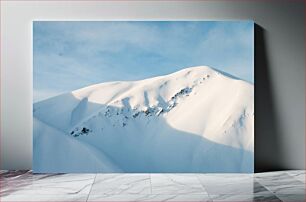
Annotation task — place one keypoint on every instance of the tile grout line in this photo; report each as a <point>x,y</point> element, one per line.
<point>91,187</point>
<point>268,189</point>
<point>210,198</point>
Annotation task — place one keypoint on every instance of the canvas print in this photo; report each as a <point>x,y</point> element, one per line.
<point>143,96</point>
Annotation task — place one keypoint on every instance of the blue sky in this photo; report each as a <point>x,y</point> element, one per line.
<point>72,55</point>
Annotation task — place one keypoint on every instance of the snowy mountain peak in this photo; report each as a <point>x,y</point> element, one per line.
<point>144,92</point>
<point>200,71</point>
<point>196,71</point>
<point>196,102</point>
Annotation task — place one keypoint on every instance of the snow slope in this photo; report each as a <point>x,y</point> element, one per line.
<point>56,152</point>
<point>194,120</point>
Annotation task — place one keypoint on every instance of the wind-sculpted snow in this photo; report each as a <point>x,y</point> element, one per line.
<point>194,120</point>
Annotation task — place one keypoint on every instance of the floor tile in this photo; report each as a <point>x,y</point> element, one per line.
<point>183,198</point>
<point>272,186</point>
<point>42,198</point>
<point>13,181</point>
<point>121,184</point>
<point>298,175</point>
<point>219,184</point>
<point>283,185</point>
<point>286,189</point>
<point>281,182</point>
<point>291,197</point>
<point>150,197</point>
<point>12,173</point>
<point>245,198</point>
<point>47,184</point>
<point>175,184</point>
<point>275,175</point>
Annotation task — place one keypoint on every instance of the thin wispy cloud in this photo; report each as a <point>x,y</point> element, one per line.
<point>71,55</point>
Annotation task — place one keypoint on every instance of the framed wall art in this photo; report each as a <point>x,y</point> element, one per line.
<point>143,96</point>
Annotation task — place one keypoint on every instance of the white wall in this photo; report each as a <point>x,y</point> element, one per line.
<point>279,74</point>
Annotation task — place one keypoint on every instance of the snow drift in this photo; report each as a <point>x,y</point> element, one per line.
<point>194,120</point>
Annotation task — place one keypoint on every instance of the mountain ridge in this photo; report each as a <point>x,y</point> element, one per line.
<point>197,100</point>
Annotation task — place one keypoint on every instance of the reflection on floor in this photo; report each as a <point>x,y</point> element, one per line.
<point>272,186</point>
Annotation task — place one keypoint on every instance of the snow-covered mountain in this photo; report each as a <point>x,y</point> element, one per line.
<point>194,120</point>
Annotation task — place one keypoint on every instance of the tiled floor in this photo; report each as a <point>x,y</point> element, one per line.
<point>272,186</point>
